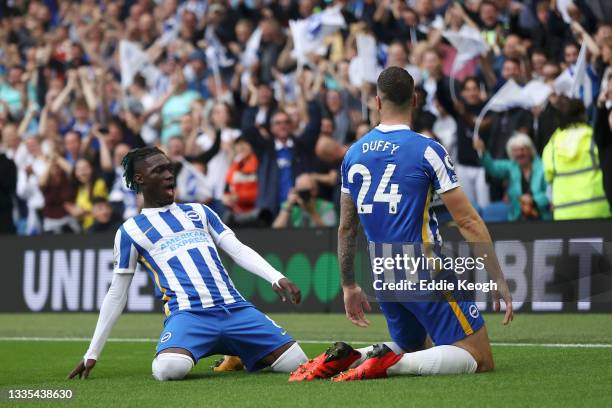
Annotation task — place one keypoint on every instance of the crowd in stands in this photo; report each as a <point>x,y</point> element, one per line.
<point>257,126</point>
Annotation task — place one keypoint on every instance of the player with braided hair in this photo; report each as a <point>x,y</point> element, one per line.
<point>205,314</point>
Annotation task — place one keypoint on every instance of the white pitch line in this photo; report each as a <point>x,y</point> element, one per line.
<point>151,340</point>
<point>67,339</point>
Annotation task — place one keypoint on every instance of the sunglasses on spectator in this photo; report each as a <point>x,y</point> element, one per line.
<point>281,122</point>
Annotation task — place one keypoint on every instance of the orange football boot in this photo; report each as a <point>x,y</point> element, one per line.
<point>336,359</point>
<point>375,366</point>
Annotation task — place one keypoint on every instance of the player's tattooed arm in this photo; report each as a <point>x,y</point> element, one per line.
<point>355,301</point>
<point>347,239</point>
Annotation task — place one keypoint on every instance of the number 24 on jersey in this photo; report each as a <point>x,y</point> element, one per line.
<point>393,197</point>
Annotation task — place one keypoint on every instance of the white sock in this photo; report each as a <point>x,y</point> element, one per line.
<point>171,366</point>
<point>436,360</point>
<point>290,359</point>
<point>364,351</point>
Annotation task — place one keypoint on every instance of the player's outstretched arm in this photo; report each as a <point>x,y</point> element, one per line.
<point>111,309</point>
<point>355,302</point>
<point>250,260</point>
<point>475,232</point>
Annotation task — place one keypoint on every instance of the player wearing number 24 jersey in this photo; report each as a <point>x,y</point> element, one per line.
<point>391,174</point>
<point>388,180</point>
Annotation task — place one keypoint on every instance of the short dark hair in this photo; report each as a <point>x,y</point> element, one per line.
<point>487,3</point>
<point>572,112</point>
<point>242,139</point>
<point>515,61</point>
<point>132,158</point>
<point>140,81</point>
<point>604,24</point>
<point>571,44</point>
<point>99,200</point>
<point>469,79</point>
<point>396,86</point>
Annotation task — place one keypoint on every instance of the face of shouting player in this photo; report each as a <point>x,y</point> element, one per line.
<point>155,176</point>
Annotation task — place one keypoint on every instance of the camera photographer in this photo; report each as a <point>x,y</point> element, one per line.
<point>303,208</point>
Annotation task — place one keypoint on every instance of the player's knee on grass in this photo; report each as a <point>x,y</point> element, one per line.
<point>290,359</point>
<point>479,347</point>
<point>485,364</point>
<point>171,366</point>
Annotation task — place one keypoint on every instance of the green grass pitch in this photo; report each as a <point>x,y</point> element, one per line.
<point>531,368</point>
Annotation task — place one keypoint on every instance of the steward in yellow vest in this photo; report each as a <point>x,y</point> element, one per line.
<point>571,166</point>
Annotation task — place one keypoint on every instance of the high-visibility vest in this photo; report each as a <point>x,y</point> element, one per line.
<point>571,165</point>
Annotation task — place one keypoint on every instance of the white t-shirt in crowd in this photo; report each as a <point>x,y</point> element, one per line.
<point>219,164</point>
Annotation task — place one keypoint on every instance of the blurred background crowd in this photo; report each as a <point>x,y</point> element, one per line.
<point>256,101</point>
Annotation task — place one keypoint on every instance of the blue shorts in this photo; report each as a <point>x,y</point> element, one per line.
<point>240,331</point>
<point>445,321</point>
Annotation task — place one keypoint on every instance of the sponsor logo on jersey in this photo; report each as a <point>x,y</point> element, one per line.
<point>165,337</point>
<point>184,239</point>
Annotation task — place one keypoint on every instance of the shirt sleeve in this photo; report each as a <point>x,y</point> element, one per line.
<point>249,259</point>
<point>112,306</point>
<point>125,255</point>
<point>440,168</point>
<point>216,228</point>
<point>343,177</point>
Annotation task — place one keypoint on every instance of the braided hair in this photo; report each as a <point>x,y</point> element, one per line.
<point>130,160</point>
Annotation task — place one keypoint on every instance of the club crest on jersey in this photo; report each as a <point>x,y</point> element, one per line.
<point>473,311</point>
<point>166,336</point>
<point>449,163</point>
<point>193,215</point>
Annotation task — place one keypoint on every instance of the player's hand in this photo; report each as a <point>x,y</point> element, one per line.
<point>285,289</point>
<point>355,303</point>
<point>82,369</point>
<point>503,293</point>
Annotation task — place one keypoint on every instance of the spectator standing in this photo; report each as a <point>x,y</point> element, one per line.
<point>241,188</point>
<point>469,170</point>
<point>602,131</point>
<point>572,168</point>
<point>283,156</point>
<point>88,187</point>
<point>177,105</point>
<point>221,117</point>
<point>57,189</point>
<point>8,185</point>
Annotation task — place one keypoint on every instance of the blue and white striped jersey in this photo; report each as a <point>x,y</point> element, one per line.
<point>176,245</point>
<point>391,174</point>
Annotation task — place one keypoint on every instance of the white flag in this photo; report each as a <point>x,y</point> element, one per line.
<point>574,82</point>
<point>508,96</point>
<point>191,184</point>
<point>582,82</point>
<point>308,34</point>
<point>535,93</point>
<point>132,60</point>
<point>562,6</point>
<point>249,56</point>
<point>469,44</point>
<point>512,95</point>
<point>364,67</point>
